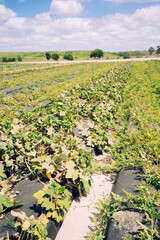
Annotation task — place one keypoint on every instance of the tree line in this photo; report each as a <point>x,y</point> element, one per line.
<point>13,59</point>
<point>97,53</point>
<point>137,54</point>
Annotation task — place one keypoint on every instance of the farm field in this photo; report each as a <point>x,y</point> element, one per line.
<point>25,87</point>
<point>57,120</point>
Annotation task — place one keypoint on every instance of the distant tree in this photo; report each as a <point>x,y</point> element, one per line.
<point>13,59</point>
<point>126,55</point>
<point>19,58</point>
<point>4,59</point>
<point>93,54</point>
<point>138,54</point>
<point>48,55</point>
<point>68,56</point>
<point>158,49</point>
<point>151,50</point>
<point>97,53</point>
<point>55,56</point>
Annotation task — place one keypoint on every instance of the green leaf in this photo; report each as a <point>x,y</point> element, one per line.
<point>2,174</point>
<point>67,203</point>
<point>5,202</point>
<point>46,203</point>
<point>1,207</point>
<point>49,214</point>
<point>62,189</point>
<point>86,186</point>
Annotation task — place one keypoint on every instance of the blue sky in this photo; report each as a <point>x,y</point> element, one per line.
<point>94,8</point>
<point>112,25</point>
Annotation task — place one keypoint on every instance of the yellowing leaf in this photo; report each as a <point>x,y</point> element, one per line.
<point>115,136</point>
<point>48,174</point>
<point>75,175</point>
<point>38,194</point>
<point>70,169</point>
<point>37,234</point>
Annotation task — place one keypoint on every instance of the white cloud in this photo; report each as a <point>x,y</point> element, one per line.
<point>66,8</point>
<point>16,23</point>
<point>5,13</point>
<point>116,32</point>
<point>46,17</point>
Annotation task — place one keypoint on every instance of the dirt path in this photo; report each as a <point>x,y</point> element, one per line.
<point>91,61</point>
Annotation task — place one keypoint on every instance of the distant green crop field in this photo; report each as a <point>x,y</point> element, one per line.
<point>40,56</point>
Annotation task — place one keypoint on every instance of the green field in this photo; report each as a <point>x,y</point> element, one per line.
<point>114,107</point>
<point>40,56</point>
<point>77,55</point>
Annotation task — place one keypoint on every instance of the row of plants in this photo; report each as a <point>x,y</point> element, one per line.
<point>44,144</point>
<point>137,126</point>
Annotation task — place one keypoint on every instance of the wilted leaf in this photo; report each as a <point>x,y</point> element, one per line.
<point>65,151</point>
<point>20,215</point>
<point>15,129</point>
<point>50,131</point>
<point>90,124</point>
<point>69,185</point>
<point>42,219</point>
<point>25,225</point>
<point>62,113</point>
